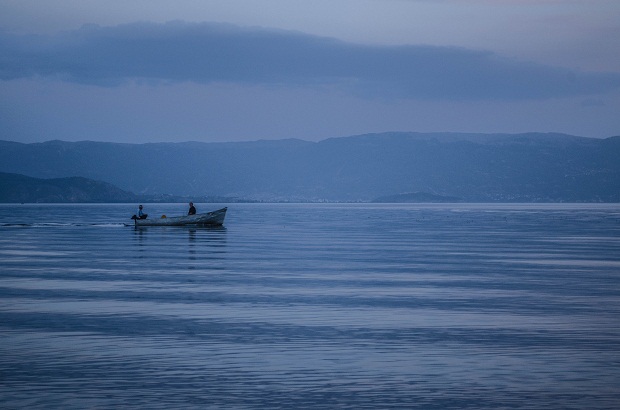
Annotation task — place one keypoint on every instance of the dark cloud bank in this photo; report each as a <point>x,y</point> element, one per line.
<point>208,52</point>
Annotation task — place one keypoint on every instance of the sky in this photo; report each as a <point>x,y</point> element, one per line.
<point>242,70</point>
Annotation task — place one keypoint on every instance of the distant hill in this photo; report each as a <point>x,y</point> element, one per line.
<point>530,167</point>
<point>414,197</point>
<point>16,188</point>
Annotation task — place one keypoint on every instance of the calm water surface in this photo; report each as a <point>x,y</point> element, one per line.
<point>311,306</point>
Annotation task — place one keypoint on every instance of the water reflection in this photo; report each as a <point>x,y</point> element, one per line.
<point>192,245</point>
<point>315,306</point>
<point>196,244</point>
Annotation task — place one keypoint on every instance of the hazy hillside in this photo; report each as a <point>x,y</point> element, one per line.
<point>472,167</point>
<point>19,188</point>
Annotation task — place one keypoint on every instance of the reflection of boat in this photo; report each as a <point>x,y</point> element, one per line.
<point>215,218</point>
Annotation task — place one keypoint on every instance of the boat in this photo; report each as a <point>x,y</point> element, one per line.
<point>215,218</point>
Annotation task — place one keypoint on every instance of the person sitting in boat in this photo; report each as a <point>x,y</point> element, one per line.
<point>192,210</point>
<point>141,214</point>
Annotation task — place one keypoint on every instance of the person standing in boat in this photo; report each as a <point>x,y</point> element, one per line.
<point>192,210</point>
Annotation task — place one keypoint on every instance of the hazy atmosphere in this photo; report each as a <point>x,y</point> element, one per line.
<point>149,71</point>
<point>326,204</point>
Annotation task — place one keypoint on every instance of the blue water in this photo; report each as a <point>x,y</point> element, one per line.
<point>311,306</point>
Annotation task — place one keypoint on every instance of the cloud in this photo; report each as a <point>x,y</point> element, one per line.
<point>222,53</point>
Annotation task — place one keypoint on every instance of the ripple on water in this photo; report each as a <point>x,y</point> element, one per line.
<point>314,306</point>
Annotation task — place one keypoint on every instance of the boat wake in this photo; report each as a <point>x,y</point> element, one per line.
<point>60,225</point>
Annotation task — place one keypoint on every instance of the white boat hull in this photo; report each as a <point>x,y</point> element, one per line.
<point>215,218</point>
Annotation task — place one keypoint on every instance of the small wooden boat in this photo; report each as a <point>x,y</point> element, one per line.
<point>215,218</point>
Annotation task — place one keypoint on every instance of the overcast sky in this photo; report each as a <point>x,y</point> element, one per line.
<point>233,70</point>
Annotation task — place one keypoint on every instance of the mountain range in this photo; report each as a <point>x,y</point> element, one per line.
<point>531,167</point>
<point>16,188</point>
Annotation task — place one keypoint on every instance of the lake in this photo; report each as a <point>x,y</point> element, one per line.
<point>311,306</point>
